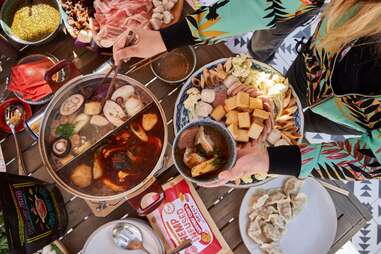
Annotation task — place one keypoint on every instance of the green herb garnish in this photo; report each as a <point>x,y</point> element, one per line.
<point>201,151</point>
<point>65,130</point>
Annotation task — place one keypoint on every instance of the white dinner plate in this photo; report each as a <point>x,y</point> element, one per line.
<point>312,231</point>
<point>101,242</point>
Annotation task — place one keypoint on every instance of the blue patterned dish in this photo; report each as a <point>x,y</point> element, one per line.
<point>181,118</point>
<point>216,126</point>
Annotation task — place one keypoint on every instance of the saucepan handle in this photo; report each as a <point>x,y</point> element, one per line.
<point>71,71</point>
<point>154,190</point>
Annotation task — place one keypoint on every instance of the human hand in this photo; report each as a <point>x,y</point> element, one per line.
<point>141,43</point>
<point>269,123</point>
<point>252,158</point>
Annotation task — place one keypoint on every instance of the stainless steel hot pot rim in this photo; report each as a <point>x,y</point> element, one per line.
<point>69,88</point>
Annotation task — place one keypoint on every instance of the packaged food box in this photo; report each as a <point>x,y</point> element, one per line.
<point>183,216</point>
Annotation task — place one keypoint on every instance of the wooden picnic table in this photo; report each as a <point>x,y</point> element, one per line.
<point>223,203</point>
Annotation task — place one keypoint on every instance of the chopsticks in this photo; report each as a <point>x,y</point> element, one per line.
<point>116,68</point>
<point>113,80</point>
<point>143,63</point>
<point>334,188</point>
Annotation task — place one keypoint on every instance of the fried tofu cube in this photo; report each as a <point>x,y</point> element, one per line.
<point>238,134</point>
<point>233,129</point>
<point>230,104</point>
<point>274,136</point>
<point>244,120</point>
<point>261,114</point>
<point>243,135</point>
<point>255,130</point>
<point>243,100</point>
<point>281,142</point>
<point>218,113</point>
<point>255,103</point>
<point>258,121</point>
<point>232,117</point>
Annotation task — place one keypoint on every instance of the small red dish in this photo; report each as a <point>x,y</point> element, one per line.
<point>3,106</point>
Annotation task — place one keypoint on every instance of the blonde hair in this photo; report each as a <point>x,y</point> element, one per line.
<point>364,22</point>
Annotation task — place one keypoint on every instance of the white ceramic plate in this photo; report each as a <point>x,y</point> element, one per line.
<point>312,231</point>
<point>101,242</point>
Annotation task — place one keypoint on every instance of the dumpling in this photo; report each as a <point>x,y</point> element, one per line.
<point>272,232</point>
<point>298,201</point>
<point>259,199</point>
<point>266,212</point>
<point>285,210</point>
<point>254,226</point>
<point>255,232</point>
<point>253,215</point>
<point>269,245</point>
<point>272,250</point>
<point>278,221</point>
<point>292,186</point>
<point>271,211</point>
<point>275,196</point>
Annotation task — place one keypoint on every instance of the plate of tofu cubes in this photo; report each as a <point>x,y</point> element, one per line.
<point>252,99</point>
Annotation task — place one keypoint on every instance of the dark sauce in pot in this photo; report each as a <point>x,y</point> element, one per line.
<point>123,153</point>
<point>175,65</point>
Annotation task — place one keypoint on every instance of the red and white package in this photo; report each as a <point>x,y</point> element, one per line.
<point>183,216</point>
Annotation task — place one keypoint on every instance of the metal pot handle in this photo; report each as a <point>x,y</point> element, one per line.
<point>153,187</point>
<point>72,71</point>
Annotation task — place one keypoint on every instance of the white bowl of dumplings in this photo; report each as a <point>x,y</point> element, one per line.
<point>288,215</point>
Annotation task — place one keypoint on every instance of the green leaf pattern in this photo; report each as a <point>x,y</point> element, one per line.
<point>226,18</point>
<point>357,158</point>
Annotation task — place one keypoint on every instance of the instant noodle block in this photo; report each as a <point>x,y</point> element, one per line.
<point>183,216</point>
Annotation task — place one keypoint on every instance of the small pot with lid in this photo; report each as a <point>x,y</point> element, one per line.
<point>105,150</point>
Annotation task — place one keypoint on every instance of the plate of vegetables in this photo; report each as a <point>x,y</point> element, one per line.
<point>252,99</point>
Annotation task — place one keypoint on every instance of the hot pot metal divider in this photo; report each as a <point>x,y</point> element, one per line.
<point>104,208</point>
<point>105,137</point>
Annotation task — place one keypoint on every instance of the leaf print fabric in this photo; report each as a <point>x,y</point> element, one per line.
<point>226,18</point>
<point>352,159</point>
<point>357,158</point>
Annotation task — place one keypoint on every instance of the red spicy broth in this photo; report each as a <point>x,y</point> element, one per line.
<point>122,152</point>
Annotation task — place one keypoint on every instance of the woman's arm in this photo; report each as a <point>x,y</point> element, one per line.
<point>227,18</point>
<point>211,24</point>
<point>352,159</point>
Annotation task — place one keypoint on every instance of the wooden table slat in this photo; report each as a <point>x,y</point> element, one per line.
<point>223,203</point>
